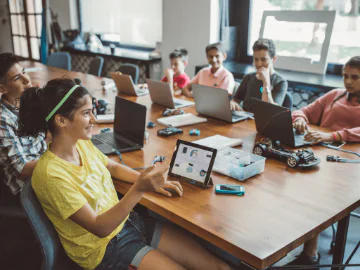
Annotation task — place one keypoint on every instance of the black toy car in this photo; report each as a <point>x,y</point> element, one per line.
<point>300,158</point>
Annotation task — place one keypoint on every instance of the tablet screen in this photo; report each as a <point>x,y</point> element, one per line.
<point>193,162</point>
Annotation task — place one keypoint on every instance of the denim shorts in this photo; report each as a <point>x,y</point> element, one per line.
<point>126,250</point>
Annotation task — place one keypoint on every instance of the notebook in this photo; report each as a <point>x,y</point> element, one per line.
<point>181,120</point>
<point>219,142</point>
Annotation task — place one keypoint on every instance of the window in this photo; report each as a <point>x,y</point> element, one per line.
<point>25,17</point>
<point>345,38</point>
<point>135,22</point>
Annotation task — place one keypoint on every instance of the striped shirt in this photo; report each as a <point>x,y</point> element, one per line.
<point>15,152</point>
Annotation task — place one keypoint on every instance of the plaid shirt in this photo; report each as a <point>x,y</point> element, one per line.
<point>15,152</point>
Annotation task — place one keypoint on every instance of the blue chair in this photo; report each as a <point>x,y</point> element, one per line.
<point>60,60</point>
<point>54,256</point>
<point>96,66</point>
<point>132,70</point>
<point>288,101</point>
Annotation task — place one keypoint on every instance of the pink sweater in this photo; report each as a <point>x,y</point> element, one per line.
<point>343,116</point>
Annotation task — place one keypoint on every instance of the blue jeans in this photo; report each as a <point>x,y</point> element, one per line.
<point>126,250</point>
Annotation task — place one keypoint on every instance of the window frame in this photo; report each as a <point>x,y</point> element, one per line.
<point>240,17</point>
<point>28,37</point>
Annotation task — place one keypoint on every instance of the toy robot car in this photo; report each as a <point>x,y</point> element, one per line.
<point>300,158</point>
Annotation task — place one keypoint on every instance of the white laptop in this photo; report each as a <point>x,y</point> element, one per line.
<point>215,102</point>
<point>124,84</point>
<point>160,93</point>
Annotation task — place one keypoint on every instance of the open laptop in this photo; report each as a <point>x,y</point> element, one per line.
<point>124,84</point>
<point>275,122</point>
<point>129,129</point>
<point>160,93</point>
<point>214,102</point>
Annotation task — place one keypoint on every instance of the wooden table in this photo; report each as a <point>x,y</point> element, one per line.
<point>282,207</point>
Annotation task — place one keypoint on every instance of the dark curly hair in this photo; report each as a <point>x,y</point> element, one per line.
<point>7,60</point>
<point>37,103</point>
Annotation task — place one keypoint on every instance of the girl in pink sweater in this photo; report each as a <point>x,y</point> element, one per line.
<point>338,110</point>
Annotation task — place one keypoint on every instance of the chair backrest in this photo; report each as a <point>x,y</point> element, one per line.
<point>54,256</point>
<point>288,101</point>
<point>132,70</point>
<point>96,66</point>
<point>60,60</point>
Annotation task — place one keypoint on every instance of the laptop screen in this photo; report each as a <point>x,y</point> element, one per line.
<point>130,120</point>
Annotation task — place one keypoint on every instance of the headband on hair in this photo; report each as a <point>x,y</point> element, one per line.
<point>61,102</point>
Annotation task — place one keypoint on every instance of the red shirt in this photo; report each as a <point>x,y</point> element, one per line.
<point>180,81</point>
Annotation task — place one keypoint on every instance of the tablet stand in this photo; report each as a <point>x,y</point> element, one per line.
<point>202,185</point>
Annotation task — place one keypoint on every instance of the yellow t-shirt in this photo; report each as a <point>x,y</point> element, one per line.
<point>63,188</point>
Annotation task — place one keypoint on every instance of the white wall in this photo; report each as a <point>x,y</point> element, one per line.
<point>67,13</point>
<point>192,25</point>
<point>5,30</point>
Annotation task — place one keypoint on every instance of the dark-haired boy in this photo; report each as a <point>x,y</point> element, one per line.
<point>176,76</point>
<point>265,83</point>
<point>215,75</point>
<point>18,156</point>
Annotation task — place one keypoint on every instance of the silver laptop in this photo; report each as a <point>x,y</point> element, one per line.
<point>160,93</point>
<point>215,102</point>
<point>124,84</point>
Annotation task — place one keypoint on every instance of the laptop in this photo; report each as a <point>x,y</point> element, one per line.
<point>129,129</point>
<point>125,84</point>
<point>214,102</point>
<point>160,93</point>
<point>275,122</point>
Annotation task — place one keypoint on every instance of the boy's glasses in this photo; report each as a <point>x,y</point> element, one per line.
<point>169,112</point>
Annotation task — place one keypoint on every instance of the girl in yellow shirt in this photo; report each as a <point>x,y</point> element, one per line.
<point>72,181</point>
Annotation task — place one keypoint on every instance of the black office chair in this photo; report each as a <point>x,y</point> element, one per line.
<point>288,101</point>
<point>60,60</point>
<point>54,256</point>
<point>96,66</point>
<point>333,227</point>
<point>9,204</point>
<point>130,69</point>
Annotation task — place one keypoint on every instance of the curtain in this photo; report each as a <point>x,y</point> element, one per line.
<point>224,20</point>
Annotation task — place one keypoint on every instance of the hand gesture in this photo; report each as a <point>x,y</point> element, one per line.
<point>316,137</point>
<point>234,106</point>
<point>263,74</point>
<point>151,179</point>
<point>300,125</point>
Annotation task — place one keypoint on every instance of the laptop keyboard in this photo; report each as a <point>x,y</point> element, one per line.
<point>110,139</point>
<point>299,140</point>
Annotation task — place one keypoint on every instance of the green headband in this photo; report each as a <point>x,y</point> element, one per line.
<point>61,102</point>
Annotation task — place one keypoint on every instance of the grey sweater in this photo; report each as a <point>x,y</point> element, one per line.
<point>250,87</point>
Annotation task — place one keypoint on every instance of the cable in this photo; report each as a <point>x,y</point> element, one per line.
<point>156,159</point>
<point>340,159</point>
<point>341,150</point>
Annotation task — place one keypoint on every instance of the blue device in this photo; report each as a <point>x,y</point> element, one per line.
<point>194,132</point>
<point>151,125</point>
<point>230,189</point>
